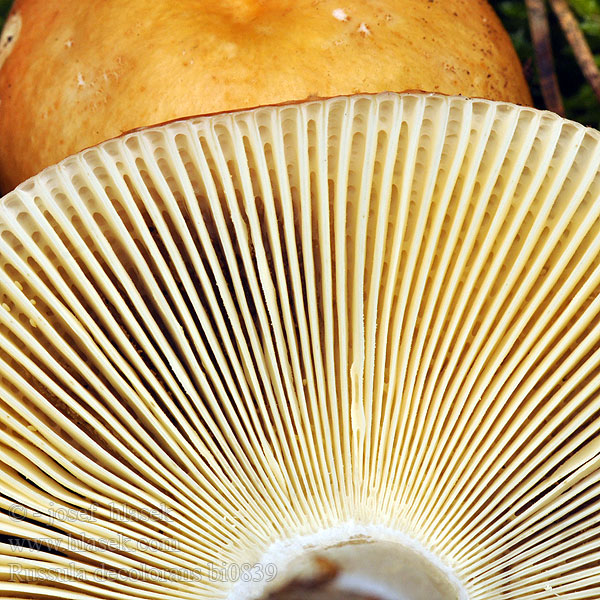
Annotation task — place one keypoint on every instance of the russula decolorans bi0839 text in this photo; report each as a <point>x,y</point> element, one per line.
<point>75,73</point>
<point>362,330</point>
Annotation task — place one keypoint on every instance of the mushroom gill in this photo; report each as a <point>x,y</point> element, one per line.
<point>363,329</point>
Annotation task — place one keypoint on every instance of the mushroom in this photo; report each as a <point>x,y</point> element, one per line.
<point>77,73</point>
<point>351,343</point>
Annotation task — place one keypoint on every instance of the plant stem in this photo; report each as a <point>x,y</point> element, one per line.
<point>577,40</point>
<point>540,34</point>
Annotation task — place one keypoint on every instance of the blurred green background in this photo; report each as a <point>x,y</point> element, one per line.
<point>4,8</point>
<point>580,102</point>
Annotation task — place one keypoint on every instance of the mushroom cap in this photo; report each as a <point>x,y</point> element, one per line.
<point>374,315</point>
<point>78,73</point>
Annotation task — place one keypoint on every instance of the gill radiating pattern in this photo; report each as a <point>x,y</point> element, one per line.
<point>236,329</point>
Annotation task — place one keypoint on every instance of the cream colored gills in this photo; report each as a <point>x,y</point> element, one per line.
<point>247,338</point>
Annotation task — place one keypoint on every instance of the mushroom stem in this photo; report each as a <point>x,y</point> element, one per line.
<point>353,563</point>
<point>318,586</point>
